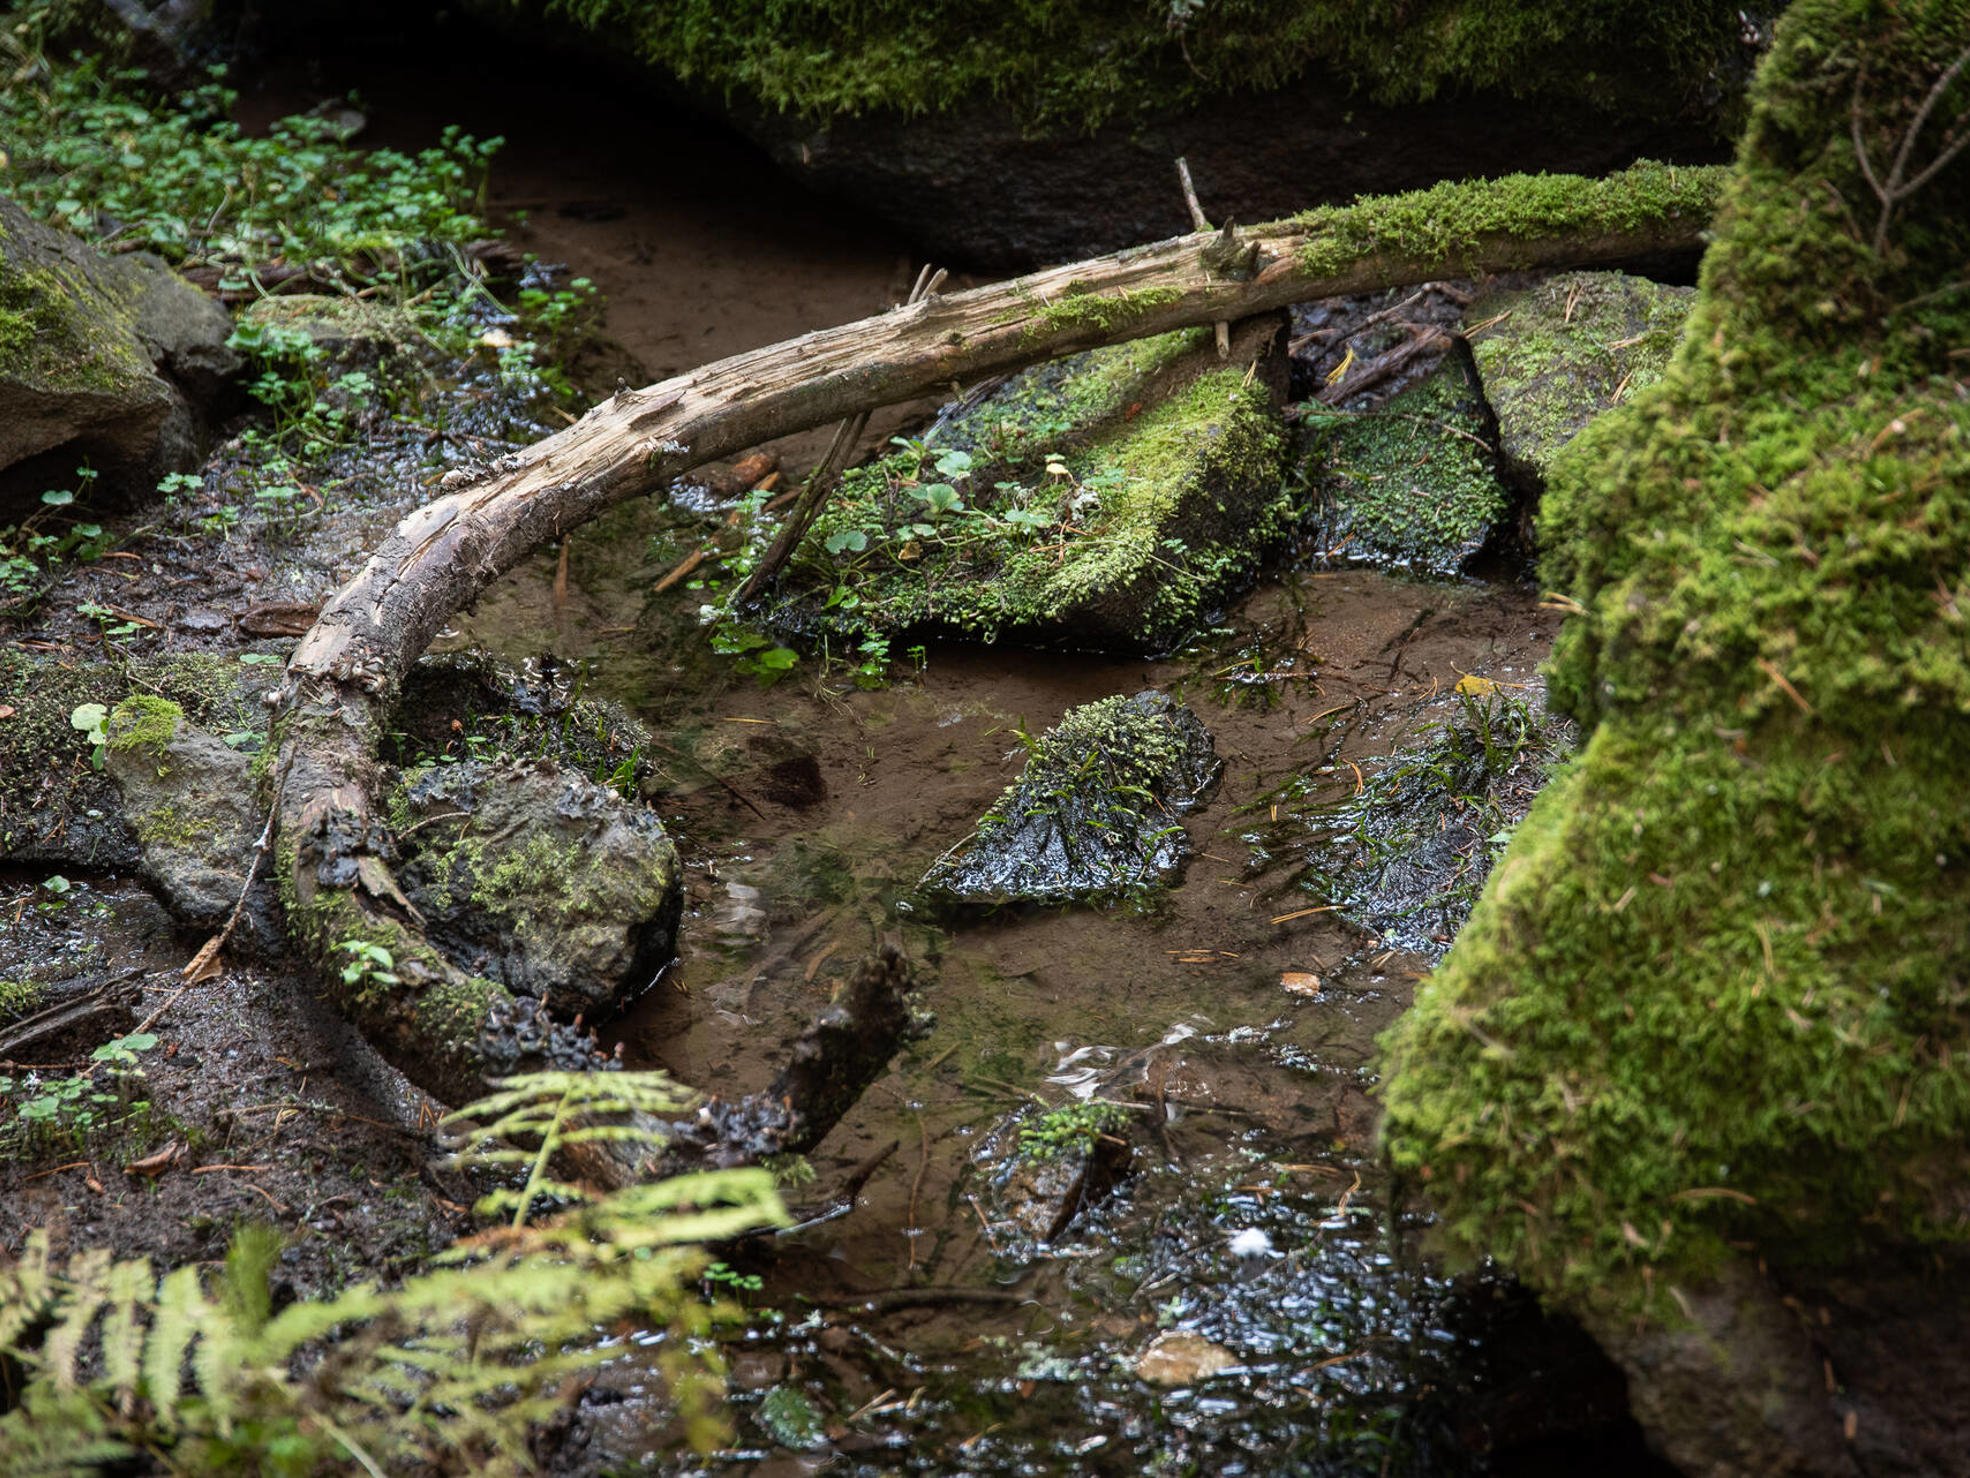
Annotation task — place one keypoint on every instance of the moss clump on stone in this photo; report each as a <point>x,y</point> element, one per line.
<point>1082,64</point>
<point>1713,1001</point>
<point>1107,500</point>
<point>1555,355</point>
<point>143,723</point>
<point>1414,484</point>
<point>1452,225</point>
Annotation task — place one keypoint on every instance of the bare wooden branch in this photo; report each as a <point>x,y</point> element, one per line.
<point>1200,224</point>
<point>450,1032</point>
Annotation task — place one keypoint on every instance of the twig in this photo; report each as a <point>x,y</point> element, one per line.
<point>916,1186</point>
<point>1897,187</point>
<point>1198,223</point>
<point>821,481</point>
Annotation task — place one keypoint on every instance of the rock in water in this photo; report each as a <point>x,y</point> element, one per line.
<point>1414,484</point>
<point>1106,500</point>
<point>1557,354</point>
<point>1094,813</point>
<point>540,878</point>
<point>101,359</point>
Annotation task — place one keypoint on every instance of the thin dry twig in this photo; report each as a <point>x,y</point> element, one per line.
<point>1898,185</point>
<point>1201,225</point>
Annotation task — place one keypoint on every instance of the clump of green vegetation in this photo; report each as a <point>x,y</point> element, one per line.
<point>1062,1133</point>
<point>1094,812</point>
<point>99,1108</point>
<point>454,1370</point>
<point>1712,1002</point>
<point>1413,484</point>
<point>1086,63</point>
<point>1058,508</point>
<point>1458,222</point>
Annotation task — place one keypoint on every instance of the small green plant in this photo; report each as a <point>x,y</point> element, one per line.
<point>88,719</point>
<point>367,964</point>
<point>70,1112</point>
<point>1071,1129</point>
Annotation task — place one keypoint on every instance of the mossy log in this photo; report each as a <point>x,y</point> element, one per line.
<point>450,1032</point>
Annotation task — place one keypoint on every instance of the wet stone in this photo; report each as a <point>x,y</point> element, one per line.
<point>540,878</point>
<point>1414,485</point>
<point>1095,812</point>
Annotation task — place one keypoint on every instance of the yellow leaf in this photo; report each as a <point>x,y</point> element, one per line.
<point>1471,685</point>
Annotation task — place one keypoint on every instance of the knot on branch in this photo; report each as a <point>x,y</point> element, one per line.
<point>1228,258</point>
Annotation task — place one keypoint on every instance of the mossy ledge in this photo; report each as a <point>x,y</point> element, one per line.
<point>1712,1004</point>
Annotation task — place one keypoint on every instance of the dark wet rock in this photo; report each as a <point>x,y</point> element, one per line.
<point>540,878</point>
<point>1108,500</point>
<point>1094,813</point>
<point>1556,354</point>
<point>1413,485</point>
<point>191,800</point>
<point>1406,850</point>
<point>102,360</point>
<point>1075,193</point>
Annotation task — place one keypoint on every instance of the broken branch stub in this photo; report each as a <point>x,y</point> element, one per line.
<point>450,1032</point>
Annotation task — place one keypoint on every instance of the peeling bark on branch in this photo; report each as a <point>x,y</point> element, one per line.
<point>449,1032</point>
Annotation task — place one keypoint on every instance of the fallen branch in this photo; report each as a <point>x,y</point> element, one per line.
<point>451,1033</point>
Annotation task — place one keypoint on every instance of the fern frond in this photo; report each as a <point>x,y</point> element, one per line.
<point>181,1308</point>
<point>86,1292</point>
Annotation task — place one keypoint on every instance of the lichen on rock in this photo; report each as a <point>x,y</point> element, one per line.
<point>1094,814</point>
<point>540,878</point>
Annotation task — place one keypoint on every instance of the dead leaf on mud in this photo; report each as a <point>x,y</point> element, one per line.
<point>154,1165</point>
<point>1300,982</point>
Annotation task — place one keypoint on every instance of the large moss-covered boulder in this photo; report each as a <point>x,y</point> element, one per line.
<point>541,879</point>
<point>1095,812</point>
<point>1415,484</point>
<point>1109,500</point>
<point>1700,1050</point>
<point>1557,354</point>
<point>101,359</point>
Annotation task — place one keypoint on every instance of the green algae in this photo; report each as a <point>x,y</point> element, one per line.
<point>1714,999</point>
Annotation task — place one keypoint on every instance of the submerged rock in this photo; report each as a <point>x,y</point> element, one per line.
<point>1414,484</point>
<point>101,359</point>
<point>1094,813</point>
<point>540,878</point>
<point>1555,355</point>
<point>1105,500</point>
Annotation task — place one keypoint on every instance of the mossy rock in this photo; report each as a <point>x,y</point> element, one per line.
<point>1415,484</point>
<point>1705,1028</point>
<point>56,806</point>
<point>541,879</point>
<point>101,359</point>
<point>1555,355</point>
<point>1110,500</point>
<point>1095,812</point>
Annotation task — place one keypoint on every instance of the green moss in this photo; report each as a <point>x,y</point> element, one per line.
<point>1454,224</point>
<point>1715,998</point>
<point>1087,516</point>
<point>1100,310</point>
<point>1081,64</point>
<point>1559,353</point>
<point>143,722</point>
<point>18,997</point>
<point>172,827</point>
<point>1414,484</point>
<point>61,331</point>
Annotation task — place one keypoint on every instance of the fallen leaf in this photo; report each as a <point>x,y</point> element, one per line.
<point>154,1165</point>
<point>1300,982</point>
<point>1179,1358</point>
<point>1474,686</point>
<point>205,964</point>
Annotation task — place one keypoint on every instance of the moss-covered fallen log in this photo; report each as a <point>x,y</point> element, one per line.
<point>334,853</point>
